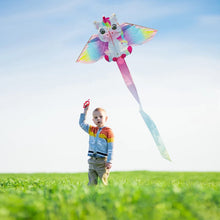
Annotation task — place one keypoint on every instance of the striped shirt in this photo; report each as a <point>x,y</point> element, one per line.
<point>101,140</point>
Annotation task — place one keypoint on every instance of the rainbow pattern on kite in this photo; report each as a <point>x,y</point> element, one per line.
<point>114,42</point>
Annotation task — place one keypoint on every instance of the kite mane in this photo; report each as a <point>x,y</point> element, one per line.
<point>106,21</point>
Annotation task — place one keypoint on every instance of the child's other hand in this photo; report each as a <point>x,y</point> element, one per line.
<point>108,165</point>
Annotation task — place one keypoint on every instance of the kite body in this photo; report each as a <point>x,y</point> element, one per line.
<point>110,31</point>
<point>114,42</point>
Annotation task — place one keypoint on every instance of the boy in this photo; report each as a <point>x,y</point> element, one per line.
<point>101,141</point>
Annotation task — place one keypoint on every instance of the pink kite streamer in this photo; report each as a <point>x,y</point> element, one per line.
<point>127,78</point>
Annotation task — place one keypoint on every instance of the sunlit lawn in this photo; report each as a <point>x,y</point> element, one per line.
<point>130,195</point>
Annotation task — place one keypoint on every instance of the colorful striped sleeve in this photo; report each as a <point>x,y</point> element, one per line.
<point>107,134</point>
<point>110,140</point>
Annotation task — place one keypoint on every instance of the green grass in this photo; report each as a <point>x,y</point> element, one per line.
<point>130,195</point>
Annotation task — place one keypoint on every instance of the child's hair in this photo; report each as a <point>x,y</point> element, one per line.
<point>100,110</point>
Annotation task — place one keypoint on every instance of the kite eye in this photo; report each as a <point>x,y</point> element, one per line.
<point>102,30</point>
<point>114,26</point>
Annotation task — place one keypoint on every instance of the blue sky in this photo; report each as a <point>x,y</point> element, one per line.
<point>42,88</point>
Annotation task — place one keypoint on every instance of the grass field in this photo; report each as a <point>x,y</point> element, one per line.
<point>130,195</point>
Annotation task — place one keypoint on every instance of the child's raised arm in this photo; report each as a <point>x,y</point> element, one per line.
<point>82,119</point>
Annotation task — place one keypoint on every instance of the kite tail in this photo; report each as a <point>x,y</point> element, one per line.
<point>156,135</point>
<point>148,121</point>
<point>127,78</point>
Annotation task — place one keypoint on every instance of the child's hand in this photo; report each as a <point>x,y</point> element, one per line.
<point>108,165</point>
<point>85,110</point>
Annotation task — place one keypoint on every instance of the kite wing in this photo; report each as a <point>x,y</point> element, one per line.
<point>93,51</point>
<point>136,34</point>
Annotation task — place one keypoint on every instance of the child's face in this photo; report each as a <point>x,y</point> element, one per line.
<point>99,118</point>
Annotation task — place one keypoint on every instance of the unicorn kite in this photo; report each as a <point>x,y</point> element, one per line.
<point>114,42</point>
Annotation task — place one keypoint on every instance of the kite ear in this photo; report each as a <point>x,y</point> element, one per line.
<point>97,24</point>
<point>113,16</point>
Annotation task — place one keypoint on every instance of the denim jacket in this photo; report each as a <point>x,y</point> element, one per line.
<point>101,140</point>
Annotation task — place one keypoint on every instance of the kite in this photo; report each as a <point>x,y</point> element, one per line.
<point>114,42</point>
